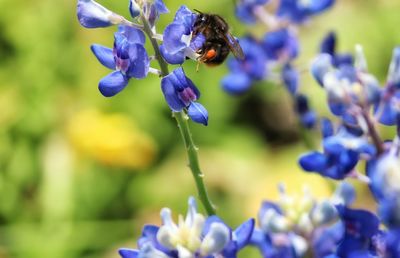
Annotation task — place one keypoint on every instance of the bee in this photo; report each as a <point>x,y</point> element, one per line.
<point>219,42</point>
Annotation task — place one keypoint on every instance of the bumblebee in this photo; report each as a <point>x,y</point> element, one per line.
<point>218,40</point>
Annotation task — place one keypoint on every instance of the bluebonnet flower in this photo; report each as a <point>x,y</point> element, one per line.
<point>180,93</point>
<point>290,78</point>
<point>389,107</point>
<point>178,42</point>
<point>293,225</point>
<point>335,162</point>
<point>281,45</point>
<point>151,10</point>
<point>342,151</point>
<point>245,9</point>
<point>307,116</point>
<point>128,58</point>
<point>195,236</point>
<point>328,46</point>
<point>360,228</point>
<point>348,88</point>
<point>298,11</point>
<point>93,15</point>
<point>243,73</point>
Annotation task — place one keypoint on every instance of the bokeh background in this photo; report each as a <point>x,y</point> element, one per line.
<point>80,174</point>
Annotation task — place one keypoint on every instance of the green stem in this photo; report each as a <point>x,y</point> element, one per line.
<point>194,166</point>
<point>181,119</point>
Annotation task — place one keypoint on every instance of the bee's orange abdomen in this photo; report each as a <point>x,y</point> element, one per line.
<point>210,54</point>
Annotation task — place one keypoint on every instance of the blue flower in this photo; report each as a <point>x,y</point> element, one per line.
<point>308,117</point>
<point>128,58</point>
<point>389,106</point>
<point>178,42</point>
<point>180,93</point>
<point>281,44</point>
<point>152,12</point>
<point>392,243</point>
<point>194,236</point>
<point>335,162</point>
<point>328,46</point>
<point>290,78</point>
<point>93,15</point>
<point>360,227</point>
<point>394,69</point>
<point>384,172</point>
<point>298,11</point>
<point>244,72</point>
<point>245,10</point>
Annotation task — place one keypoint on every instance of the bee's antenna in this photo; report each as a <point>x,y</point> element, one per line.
<point>198,11</point>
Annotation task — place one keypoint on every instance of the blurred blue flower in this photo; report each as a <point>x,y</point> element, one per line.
<point>244,72</point>
<point>93,15</point>
<point>290,78</point>
<point>178,42</point>
<point>281,44</point>
<point>392,243</point>
<point>335,162</point>
<point>245,10</point>
<point>308,117</point>
<point>128,58</point>
<point>180,93</point>
<point>298,11</point>
<point>194,236</point>
<point>328,46</point>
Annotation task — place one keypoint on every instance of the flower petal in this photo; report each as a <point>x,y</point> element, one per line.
<point>93,15</point>
<point>176,58</point>
<point>104,55</point>
<point>139,61</point>
<point>243,233</point>
<point>198,113</point>
<point>128,253</point>
<point>112,84</point>
<point>236,83</point>
<point>168,89</point>
<point>313,161</point>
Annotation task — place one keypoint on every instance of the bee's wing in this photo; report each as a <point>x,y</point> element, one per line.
<point>234,46</point>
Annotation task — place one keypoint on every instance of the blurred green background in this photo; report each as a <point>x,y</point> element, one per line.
<point>80,174</point>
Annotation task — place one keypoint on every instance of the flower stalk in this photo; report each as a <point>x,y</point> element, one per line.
<point>181,119</point>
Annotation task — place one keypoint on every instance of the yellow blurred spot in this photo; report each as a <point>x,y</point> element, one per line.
<point>111,139</point>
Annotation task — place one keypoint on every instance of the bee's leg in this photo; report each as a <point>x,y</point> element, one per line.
<point>198,65</point>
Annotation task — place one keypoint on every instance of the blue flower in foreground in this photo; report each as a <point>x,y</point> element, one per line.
<point>293,225</point>
<point>245,10</point>
<point>244,72</point>
<point>180,93</point>
<point>360,228</point>
<point>128,58</point>
<point>178,42</point>
<point>298,11</point>
<point>194,236</point>
<point>93,15</point>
